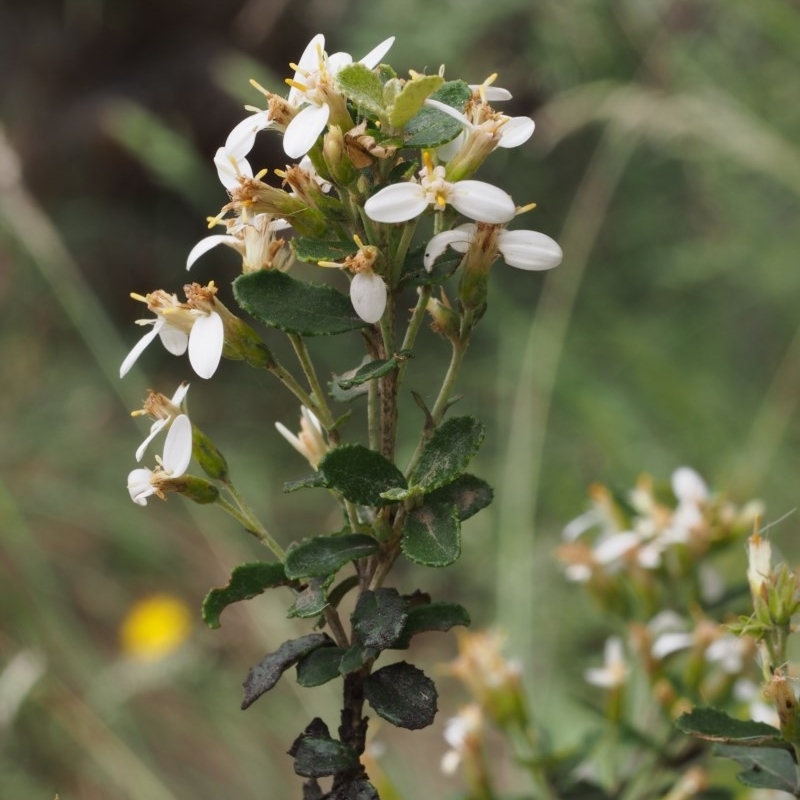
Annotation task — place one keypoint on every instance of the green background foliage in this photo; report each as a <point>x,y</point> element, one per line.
<point>665,163</point>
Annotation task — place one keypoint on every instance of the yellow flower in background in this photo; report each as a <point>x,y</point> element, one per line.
<point>155,627</point>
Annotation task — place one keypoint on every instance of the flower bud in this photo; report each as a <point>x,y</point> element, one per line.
<point>198,490</point>
<point>336,159</point>
<point>208,457</point>
<point>475,268</point>
<point>445,321</point>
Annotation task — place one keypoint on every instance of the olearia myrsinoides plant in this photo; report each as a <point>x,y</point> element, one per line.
<point>381,176</point>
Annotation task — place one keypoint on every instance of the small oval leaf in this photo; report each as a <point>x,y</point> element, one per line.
<point>360,474</point>
<point>319,666</point>
<point>402,695</point>
<point>326,555</point>
<point>448,452</point>
<point>317,757</point>
<point>432,535</point>
<point>379,617</point>
<point>247,581</point>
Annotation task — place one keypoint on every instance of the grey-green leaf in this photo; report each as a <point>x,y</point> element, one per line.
<point>448,452</point>
<point>403,695</point>
<point>431,617</point>
<point>305,309</point>
<point>372,370</point>
<point>430,127</point>
<point>717,726</point>
<point>359,84</point>
<point>360,474</point>
<point>313,600</point>
<point>319,666</point>
<point>432,535</point>
<point>312,251</point>
<point>468,493</point>
<point>379,617</point>
<point>247,580</point>
<point>264,675</point>
<point>326,555</point>
<point>409,100</point>
<point>317,757</point>
<point>766,768</point>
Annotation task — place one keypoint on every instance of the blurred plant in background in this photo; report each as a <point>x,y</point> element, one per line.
<point>670,336</point>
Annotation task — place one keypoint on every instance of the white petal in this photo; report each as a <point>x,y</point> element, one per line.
<point>174,339</point>
<point>397,203</point>
<point>616,546</point>
<point>670,643</point>
<point>529,250</point>
<point>205,344</point>
<point>154,429</point>
<point>338,61</point>
<point>492,93</point>
<point>139,486</point>
<point>449,110</point>
<point>241,139</point>
<point>687,485</point>
<point>310,58</point>
<point>368,295</point>
<point>210,242</point>
<point>178,446</point>
<point>373,58</point>
<point>516,131</point>
<point>482,201</point>
<point>229,167</point>
<point>445,152</point>
<point>458,238</point>
<point>180,393</point>
<point>304,129</point>
<point>140,346</point>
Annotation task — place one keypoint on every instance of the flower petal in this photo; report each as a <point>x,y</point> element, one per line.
<point>139,486</point>
<point>368,295</point>
<point>205,344</point>
<point>304,129</point>
<point>458,238</point>
<point>516,131</point>
<point>373,58</point>
<point>491,93</point>
<point>139,347</point>
<point>529,250</point>
<point>210,242</point>
<point>178,447</point>
<point>174,339</point>
<point>180,393</point>
<point>229,168</point>
<point>241,139</point>
<point>397,203</point>
<point>154,429</point>
<point>482,201</point>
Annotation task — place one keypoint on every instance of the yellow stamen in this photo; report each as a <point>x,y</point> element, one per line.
<point>256,85</point>
<point>358,241</point>
<point>138,297</point>
<point>441,200</point>
<point>281,173</point>
<point>295,84</point>
<point>428,161</point>
<point>329,264</point>
<point>523,209</point>
<point>260,174</point>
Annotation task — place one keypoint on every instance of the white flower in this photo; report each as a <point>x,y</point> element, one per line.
<point>463,733</point>
<point>312,88</point>
<point>164,410</point>
<point>142,483</point>
<point>195,326</point>
<point>368,294</point>
<point>477,200</point>
<point>614,672</point>
<point>253,239</point>
<point>528,250</point>
<point>759,565</point>
<point>310,442</point>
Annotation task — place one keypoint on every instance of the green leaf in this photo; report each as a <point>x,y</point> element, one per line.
<point>415,274</point>
<point>379,617</point>
<point>448,452</point>
<point>312,251</point>
<point>360,474</point>
<point>359,84</point>
<point>403,695</point>
<point>717,726</point>
<point>305,309</point>
<point>312,600</point>
<point>432,535</point>
<point>373,370</point>
<point>467,493</point>
<point>766,768</point>
<point>312,481</point>
<point>360,789</point>
<point>432,617</point>
<point>264,675</point>
<point>356,657</point>
<point>317,757</point>
<point>411,97</point>
<point>326,555</point>
<point>247,580</point>
<point>431,127</point>
<point>319,666</point>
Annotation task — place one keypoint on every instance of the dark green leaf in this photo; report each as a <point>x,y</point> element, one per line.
<point>319,666</point>
<point>467,493</point>
<point>766,768</point>
<point>305,309</point>
<point>432,535</point>
<point>372,370</point>
<point>409,100</point>
<point>360,789</point>
<point>431,127</point>
<point>326,555</point>
<point>379,617</point>
<point>247,580</point>
<point>402,695</point>
<point>433,617</point>
<point>356,657</point>
<point>448,452</point>
<point>264,675</point>
<point>312,600</point>
<point>359,84</point>
<point>717,726</point>
<point>360,474</point>
<point>316,757</point>
<point>341,589</point>
<point>312,251</point>
<point>415,274</point>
